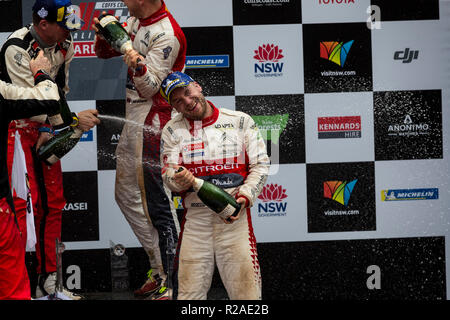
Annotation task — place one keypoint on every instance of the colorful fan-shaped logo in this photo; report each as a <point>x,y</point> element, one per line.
<point>268,52</point>
<point>272,192</point>
<point>339,191</point>
<point>335,51</point>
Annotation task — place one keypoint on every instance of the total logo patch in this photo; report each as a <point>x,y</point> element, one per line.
<point>193,150</point>
<point>193,146</point>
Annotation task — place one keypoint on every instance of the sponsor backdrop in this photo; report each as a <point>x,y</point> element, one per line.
<point>353,99</point>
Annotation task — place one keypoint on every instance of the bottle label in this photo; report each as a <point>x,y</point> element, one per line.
<point>52,159</point>
<point>77,133</point>
<point>198,183</point>
<point>125,47</point>
<point>106,20</point>
<point>227,212</point>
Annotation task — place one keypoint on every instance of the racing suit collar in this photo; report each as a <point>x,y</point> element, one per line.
<point>194,125</point>
<point>155,17</point>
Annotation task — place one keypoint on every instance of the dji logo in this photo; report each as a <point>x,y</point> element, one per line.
<point>406,56</point>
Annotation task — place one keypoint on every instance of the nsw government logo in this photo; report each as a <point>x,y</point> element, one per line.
<point>269,64</point>
<point>273,204</point>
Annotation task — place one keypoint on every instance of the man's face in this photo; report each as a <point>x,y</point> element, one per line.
<point>190,101</point>
<point>133,7</point>
<point>54,33</point>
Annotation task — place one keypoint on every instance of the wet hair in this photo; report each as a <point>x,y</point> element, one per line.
<point>36,19</point>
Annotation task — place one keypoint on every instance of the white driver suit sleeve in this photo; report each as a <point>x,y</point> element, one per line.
<point>17,60</point>
<point>259,162</point>
<point>170,153</point>
<point>158,62</point>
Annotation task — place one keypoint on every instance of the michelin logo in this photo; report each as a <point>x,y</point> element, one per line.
<point>87,136</point>
<point>409,194</point>
<point>213,61</point>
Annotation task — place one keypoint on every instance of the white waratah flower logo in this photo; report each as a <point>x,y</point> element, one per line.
<point>42,13</point>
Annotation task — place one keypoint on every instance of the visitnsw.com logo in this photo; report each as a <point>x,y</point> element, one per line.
<point>269,64</point>
<point>337,53</point>
<point>341,196</point>
<point>339,191</point>
<point>273,201</point>
<point>334,51</point>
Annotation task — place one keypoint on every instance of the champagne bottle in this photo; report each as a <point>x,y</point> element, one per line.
<point>59,145</point>
<point>215,198</point>
<point>114,33</point>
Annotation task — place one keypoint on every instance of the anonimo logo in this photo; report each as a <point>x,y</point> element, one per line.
<point>269,64</point>
<point>273,201</point>
<point>409,128</point>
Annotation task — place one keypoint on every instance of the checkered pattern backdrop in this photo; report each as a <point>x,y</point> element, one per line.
<point>352,97</point>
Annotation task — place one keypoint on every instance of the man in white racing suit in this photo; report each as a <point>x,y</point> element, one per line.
<point>225,148</point>
<point>15,103</point>
<point>53,20</point>
<point>160,46</point>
